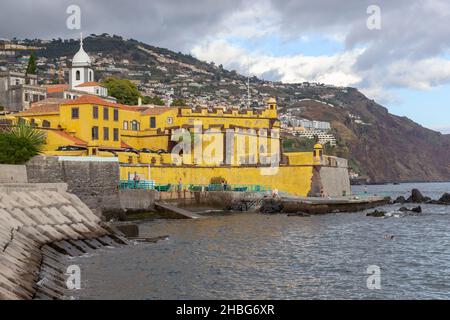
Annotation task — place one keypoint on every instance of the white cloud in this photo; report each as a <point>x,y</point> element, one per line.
<point>334,69</point>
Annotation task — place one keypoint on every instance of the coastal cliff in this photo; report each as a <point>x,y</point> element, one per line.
<point>382,146</point>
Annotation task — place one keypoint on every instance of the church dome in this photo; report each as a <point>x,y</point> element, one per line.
<point>81,58</point>
<point>318,146</point>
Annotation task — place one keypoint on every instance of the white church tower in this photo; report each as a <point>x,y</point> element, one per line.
<point>81,76</point>
<point>81,71</point>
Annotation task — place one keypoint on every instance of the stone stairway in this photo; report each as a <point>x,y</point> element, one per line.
<point>39,226</point>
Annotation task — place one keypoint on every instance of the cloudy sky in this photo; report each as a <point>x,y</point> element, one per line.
<point>404,64</point>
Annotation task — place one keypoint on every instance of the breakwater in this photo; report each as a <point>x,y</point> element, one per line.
<point>40,224</point>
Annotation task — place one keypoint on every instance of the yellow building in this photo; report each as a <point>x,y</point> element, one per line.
<point>162,145</point>
<point>166,145</point>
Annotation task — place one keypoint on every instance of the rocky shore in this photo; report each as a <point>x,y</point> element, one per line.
<point>418,197</point>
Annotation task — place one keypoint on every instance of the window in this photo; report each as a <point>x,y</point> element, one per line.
<point>135,125</point>
<point>27,98</point>
<point>106,134</point>
<point>152,122</point>
<point>75,113</point>
<point>105,113</point>
<point>116,134</point>
<point>95,112</point>
<point>46,124</point>
<point>169,120</point>
<point>116,114</point>
<point>125,125</point>
<point>78,75</point>
<point>90,76</point>
<point>94,133</point>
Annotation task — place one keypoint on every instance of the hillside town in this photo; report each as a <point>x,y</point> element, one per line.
<point>165,77</point>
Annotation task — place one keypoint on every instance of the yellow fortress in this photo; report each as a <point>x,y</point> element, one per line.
<point>173,145</point>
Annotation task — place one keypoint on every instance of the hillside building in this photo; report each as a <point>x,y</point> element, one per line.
<point>18,91</point>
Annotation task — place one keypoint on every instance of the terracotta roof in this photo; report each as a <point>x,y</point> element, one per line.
<point>133,108</point>
<point>49,105</point>
<point>144,109</point>
<point>125,145</point>
<point>156,110</point>
<point>91,99</point>
<point>90,84</point>
<point>55,88</point>
<point>75,140</point>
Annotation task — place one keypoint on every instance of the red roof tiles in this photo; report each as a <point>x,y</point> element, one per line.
<point>90,84</point>
<point>75,140</point>
<point>55,88</point>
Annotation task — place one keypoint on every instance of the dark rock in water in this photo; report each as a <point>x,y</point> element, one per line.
<point>416,209</point>
<point>271,206</point>
<point>238,206</point>
<point>298,214</point>
<point>416,197</point>
<point>445,199</point>
<point>400,200</point>
<point>376,213</point>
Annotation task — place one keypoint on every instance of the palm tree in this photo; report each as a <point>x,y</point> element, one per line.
<point>34,136</point>
<point>20,143</point>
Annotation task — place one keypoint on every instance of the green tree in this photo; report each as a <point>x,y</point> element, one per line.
<point>178,103</point>
<point>295,144</point>
<point>31,68</point>
<point>123,90</point>
<point>153,100</point>
<point>20,144</point>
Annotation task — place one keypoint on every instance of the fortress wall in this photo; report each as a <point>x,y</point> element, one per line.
<point>94,182</point>
<point>13,174</point>
<point>295,180</point>
<point>335,181</point>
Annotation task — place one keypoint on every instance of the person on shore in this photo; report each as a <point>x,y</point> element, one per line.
<point>224,184</point>
<point>180,185</point>
<point>275,193</point>
<point>136,180</point>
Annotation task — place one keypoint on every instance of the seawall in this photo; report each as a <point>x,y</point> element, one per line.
<point>38,224</point>
<point>95,181</point>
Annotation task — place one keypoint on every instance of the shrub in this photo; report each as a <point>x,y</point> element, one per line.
<point>20,144</point>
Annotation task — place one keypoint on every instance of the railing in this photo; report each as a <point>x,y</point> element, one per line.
<point>151,185</point>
